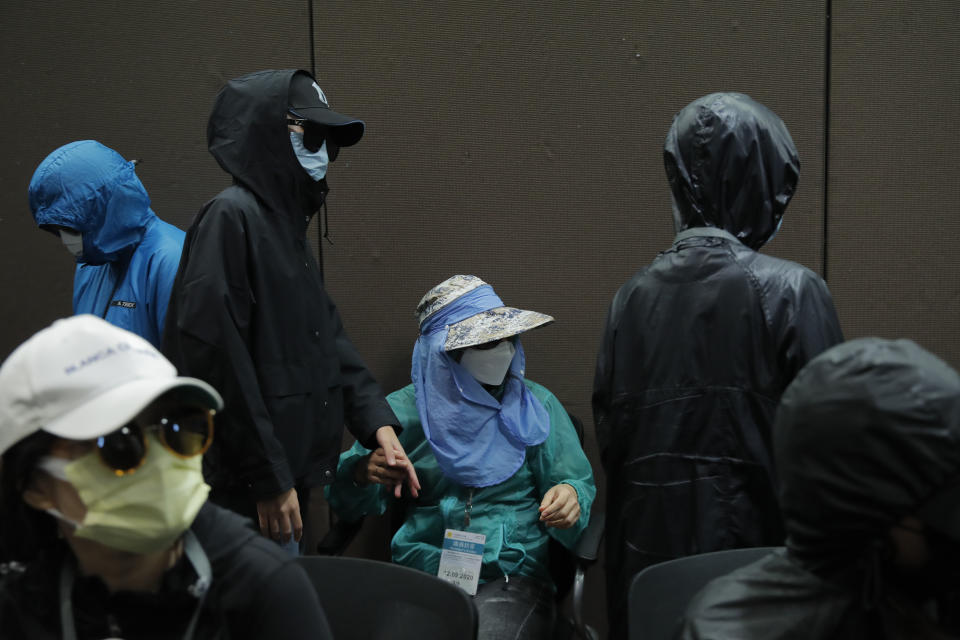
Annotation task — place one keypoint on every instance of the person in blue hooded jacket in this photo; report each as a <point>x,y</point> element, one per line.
<point>127,257</point>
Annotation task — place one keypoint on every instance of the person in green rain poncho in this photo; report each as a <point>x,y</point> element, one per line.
<point>499,461</point>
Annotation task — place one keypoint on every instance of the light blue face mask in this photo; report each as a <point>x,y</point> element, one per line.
<point>314,162</point>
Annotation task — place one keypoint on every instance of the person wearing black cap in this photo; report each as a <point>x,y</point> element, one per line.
<point>867,450</point>
<point>698,347</point>
<point>249,313</point>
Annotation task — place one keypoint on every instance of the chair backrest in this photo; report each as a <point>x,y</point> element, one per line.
<point>660,593</point>
<point>371,600</point>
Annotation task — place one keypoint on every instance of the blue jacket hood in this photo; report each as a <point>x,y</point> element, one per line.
<point>92,189</point>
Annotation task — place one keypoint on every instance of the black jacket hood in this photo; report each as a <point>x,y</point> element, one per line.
<point>867,433</point>
<point>731,164</point>
<point>247,134</point>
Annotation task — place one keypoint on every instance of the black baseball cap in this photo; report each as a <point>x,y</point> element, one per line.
<point>307,100</point>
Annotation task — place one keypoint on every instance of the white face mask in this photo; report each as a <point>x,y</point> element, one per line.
<point>73,241</point>
<point>489,366</point>
<point>314,162</point>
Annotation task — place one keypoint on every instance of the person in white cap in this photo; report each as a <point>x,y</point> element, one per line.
<point>250,315</point>
<point>105,528</point>
<point>500,461</point>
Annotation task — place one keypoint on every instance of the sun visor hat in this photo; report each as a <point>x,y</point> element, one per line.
<point>82,378</point>
<point>307,100</point>
<point>496,323</point>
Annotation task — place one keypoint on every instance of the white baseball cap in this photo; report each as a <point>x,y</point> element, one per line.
<point>81,378</point>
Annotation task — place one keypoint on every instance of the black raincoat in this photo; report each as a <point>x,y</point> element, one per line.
<point>868,433</point>
<point>698,347</point>
<point>249,313</point>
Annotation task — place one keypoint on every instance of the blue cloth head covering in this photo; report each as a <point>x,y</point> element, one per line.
<point>477,440</point>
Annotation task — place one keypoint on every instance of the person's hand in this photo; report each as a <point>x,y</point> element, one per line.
<point>280,517</point>
<point>373,468</point>
<point>396,458</point>
<point>560,507</point>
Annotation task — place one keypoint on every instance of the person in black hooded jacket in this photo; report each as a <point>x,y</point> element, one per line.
<point>249,313</point>
<point>698,347</point>
<point>867,446</point>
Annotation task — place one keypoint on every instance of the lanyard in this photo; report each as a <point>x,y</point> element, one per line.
<point>195,554</point>
<point>467,509</point>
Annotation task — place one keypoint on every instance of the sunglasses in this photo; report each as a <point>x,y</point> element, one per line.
<point>314,135</point>
<point>185,434</point>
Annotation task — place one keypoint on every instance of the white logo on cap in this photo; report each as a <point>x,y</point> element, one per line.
<point>323,98</point>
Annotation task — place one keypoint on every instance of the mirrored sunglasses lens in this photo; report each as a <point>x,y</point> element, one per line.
<point>124,449</point>
<point>188,434</point>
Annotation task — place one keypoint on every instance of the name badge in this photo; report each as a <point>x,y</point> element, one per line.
<point>460,559</point>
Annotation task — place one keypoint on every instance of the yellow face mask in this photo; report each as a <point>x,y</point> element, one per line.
<point>140,512</point>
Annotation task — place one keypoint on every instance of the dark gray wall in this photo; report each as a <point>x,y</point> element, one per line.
<point>893,226</point>
<point>517,140</point>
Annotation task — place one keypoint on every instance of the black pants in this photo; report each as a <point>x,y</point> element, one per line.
<point>521,609</point>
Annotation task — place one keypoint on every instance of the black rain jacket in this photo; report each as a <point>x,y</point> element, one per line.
<point>866,434</point>
<point>698,347</point>
<point>249,313</point>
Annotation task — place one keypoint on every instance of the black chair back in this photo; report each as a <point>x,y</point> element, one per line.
<point>370,600</point>
<point>660,593</point>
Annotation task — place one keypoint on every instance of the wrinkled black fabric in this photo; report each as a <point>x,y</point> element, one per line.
<point>731,164</point>
<point>249,313</point>
<point>866,434</point>
<point>697,349</point>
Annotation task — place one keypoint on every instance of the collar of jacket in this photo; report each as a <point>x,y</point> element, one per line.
<point>705,232</point>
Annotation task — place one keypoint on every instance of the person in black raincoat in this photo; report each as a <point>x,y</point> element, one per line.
<point>867,445</point>
<point>249,313</point>
<point>698,347</point>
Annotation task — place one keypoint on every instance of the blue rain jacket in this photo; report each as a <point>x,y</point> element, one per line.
<point>130,256</point>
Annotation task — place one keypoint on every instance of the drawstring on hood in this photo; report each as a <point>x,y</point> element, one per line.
<point>731,164</point>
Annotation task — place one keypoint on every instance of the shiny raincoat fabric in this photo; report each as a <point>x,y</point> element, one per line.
<point>731,164</point>
<point>506,513</point>
<point>130,256</point>
<point>866,434</point>
<point>698,347</point>
<point>249,313</point>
